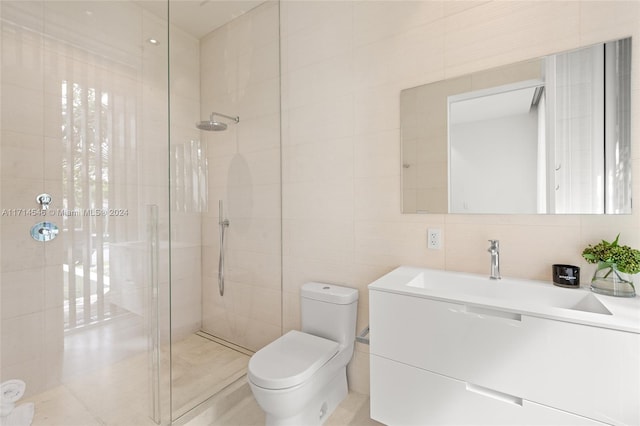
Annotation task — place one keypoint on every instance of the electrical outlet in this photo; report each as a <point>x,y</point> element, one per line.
<point>434,238</point>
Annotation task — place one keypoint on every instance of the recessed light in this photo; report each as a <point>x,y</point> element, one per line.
<point>153,41</point>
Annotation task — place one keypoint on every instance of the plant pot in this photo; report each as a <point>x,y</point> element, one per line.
<point>608,280</point>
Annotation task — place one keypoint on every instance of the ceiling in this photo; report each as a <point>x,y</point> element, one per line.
<point>492,106</point>
<point>199,17</point>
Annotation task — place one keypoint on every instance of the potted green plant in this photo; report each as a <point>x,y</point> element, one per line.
<point>615,266</point>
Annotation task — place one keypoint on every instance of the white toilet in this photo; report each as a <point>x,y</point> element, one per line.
<point>301,377</point>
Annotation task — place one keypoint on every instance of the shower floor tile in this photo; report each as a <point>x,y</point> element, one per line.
<point>200,369</point>
<point>118,394</point>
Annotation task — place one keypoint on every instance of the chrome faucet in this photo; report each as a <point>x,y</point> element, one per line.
<point>494,249</point>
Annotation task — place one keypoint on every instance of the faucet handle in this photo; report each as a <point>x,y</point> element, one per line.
<point>495,244</point>
<point>44,200</point>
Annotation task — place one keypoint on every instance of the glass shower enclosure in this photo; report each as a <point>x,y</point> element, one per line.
<point>85,211</point>
<point>110,310</point>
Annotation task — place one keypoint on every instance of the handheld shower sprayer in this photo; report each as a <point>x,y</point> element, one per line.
<point>223,223</point>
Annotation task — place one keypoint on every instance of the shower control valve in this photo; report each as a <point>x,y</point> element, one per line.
<point>44,200</point>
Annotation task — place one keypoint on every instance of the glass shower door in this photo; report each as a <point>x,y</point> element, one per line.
<point>84,102</point>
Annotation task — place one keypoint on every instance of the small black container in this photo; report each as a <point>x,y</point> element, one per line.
<point>566,276</point>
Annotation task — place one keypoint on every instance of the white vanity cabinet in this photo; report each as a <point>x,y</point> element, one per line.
<point>442,361</point>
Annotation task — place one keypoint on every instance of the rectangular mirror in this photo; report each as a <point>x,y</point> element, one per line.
<point>549,135</point>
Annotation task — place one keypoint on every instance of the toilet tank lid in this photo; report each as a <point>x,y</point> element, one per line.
<point>329,293</point>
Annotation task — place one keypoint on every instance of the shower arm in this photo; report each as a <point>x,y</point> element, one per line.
<point>235,119</point>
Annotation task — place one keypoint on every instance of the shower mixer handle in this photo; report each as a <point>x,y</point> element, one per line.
<point>44,200</point>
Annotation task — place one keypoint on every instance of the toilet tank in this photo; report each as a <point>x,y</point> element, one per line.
<point>329,311</point>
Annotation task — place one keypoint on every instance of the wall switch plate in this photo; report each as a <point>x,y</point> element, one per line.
<point>434,238</point>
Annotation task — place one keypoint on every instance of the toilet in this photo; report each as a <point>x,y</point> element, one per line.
<point>301,377</point>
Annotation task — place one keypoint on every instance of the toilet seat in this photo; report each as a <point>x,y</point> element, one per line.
<point>290,360</point>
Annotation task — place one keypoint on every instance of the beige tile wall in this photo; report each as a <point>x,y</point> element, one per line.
<point>240,77</point>
<point>343,66</point>
<point>186,196</point>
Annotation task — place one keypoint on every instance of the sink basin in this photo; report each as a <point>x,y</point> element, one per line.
<point>506,289</point>
<point>515,297</point>
<point>591,303</point>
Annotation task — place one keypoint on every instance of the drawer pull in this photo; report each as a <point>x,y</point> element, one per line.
<point>484,312</point>
<point>500,396</point>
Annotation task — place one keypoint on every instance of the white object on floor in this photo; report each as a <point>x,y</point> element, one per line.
<point>10,392</point>
<point>22,415</point>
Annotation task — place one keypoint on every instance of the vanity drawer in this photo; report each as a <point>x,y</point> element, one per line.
<point>585,370</point>
<point>487,348</point>
<point>404,395</point>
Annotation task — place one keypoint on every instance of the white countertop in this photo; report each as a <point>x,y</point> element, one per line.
<point>527,297</point>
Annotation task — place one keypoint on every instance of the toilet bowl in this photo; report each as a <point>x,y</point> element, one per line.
<point>301,377</point>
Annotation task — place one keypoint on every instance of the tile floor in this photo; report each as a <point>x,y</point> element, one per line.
<point>117,394</point>
<point>353,411</point>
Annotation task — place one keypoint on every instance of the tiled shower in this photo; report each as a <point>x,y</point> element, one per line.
<point>99,105</point>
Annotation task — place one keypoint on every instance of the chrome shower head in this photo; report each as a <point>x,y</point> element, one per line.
<point>210,126</point>
<point>213,125</point>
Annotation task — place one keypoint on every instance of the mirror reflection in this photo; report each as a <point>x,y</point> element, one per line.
<point>549,135</point>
